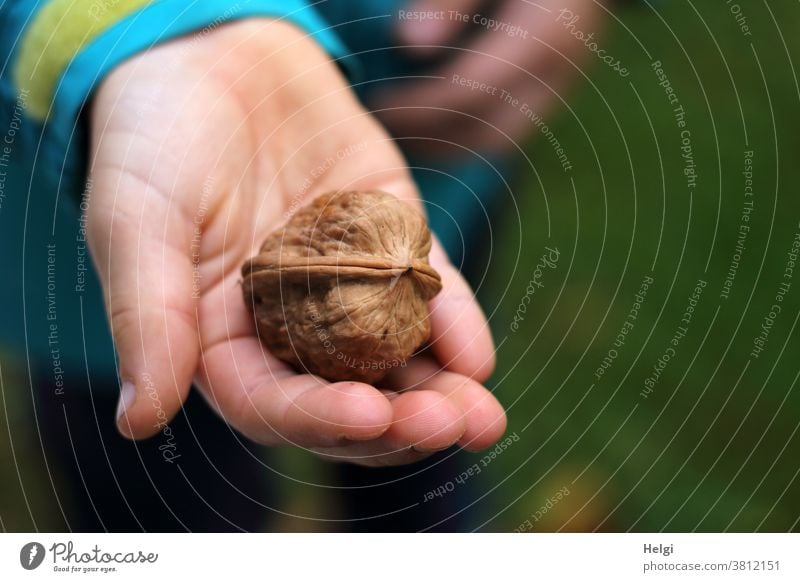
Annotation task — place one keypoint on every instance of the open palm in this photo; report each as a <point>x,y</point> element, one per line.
<point>200,148</point>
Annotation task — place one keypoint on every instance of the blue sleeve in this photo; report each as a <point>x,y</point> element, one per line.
<point>51,151</point>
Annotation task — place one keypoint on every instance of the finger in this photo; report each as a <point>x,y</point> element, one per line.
<point>278,406</point>
<point>426,24</point>
<point>484,417</point>
<point>140,245</point>
<point>424,422</point>
<point>494,71</point>
<point>460,336</point>
<point>265,398</point>
<point>495,127</point>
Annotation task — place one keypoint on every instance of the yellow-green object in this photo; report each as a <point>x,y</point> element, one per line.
<point>58,33</point>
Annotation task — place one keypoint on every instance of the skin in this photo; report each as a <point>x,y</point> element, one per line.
<point>223,132</point>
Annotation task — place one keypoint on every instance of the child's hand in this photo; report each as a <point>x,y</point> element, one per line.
<point>524,51</point>
<point>199,149</point>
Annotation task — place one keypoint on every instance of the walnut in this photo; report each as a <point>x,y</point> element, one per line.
<point>341,290</point>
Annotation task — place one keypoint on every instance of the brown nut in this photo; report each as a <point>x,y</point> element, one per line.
<point>341,290</point>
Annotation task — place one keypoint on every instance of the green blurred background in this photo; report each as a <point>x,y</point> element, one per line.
<point>715,445</point>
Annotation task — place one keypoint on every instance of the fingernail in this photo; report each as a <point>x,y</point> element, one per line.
<point>425,32</point>
<point>126,397</point>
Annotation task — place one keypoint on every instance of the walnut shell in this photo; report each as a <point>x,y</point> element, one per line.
<point>341,290</point>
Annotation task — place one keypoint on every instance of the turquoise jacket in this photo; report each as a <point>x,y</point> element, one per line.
<point>52,305</point>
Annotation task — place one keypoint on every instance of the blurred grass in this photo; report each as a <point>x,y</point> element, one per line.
<point>715,446</point>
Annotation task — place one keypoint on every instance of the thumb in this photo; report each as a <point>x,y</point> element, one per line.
<point>140,243</point>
